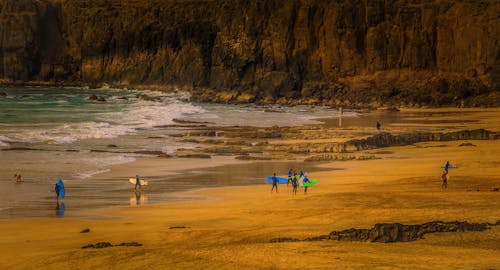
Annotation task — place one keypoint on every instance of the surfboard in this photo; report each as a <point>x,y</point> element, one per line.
<point>62,191</point>
<point>449,167</point>
<point>143,182</point>
<point>310,183</point>
<point>281,180</point>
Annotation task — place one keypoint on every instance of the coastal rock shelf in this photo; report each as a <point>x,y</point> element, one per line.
<point>348,53</point>
<point>395,232</point>
<point>259,147</point>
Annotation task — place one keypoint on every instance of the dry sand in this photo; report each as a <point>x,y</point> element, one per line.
<point>232,228</point>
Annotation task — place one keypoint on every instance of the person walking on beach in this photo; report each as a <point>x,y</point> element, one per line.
<point>18,178</point>
<point>137,182</point>
<point>290,174</point>
<point>306,180</point>
<point>275,183</point>
<point>447,166</point>
<point>444,178</point>
<point>295,184</point>
<point>378,126</point>
<point>59,189</point>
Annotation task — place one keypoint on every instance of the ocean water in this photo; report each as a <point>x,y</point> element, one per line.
<point>52,133</point>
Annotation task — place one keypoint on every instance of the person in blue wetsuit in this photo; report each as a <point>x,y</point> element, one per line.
<point>137,182</point>
<point>290,175</point>
<point>275,183</point>
<point>305,181</point>
<point>447,166</point>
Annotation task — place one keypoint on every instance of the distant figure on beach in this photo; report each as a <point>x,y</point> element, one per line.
<point>18,178</point>
<point>303,182</point>
<point>295,184</point>
<point>378,126</point>
<point>275,183</point>
<point>447,166</point>
<point>290,175</point>
<point>59,188</point>
<point>444,178</point>
<point>137,182</point>
<point>341,110</point>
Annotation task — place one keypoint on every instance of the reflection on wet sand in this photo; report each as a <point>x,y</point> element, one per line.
<point>138,198</point>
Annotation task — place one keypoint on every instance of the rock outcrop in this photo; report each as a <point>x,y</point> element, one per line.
<point>436,52</point>
<point>395,232</point>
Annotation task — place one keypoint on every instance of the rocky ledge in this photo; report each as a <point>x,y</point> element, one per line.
<point>395,232</point>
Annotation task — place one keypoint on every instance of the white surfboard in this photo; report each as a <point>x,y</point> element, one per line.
<point>143,182</point>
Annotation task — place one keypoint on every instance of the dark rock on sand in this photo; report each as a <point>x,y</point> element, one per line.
<point>108,244</point>
<point>178,227</point>
<point>98,245</point>
<point>86,230</point>
<point>466,144</point>
<point>112,145</point>
<point>396,232</point>
<point>3,94</point>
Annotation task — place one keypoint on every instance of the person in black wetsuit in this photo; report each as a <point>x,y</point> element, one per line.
<point>275,183</point>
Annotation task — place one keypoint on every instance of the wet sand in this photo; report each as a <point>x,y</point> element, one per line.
<point>230,227</point>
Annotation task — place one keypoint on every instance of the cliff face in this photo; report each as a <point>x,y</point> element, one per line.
<point>336,52</point>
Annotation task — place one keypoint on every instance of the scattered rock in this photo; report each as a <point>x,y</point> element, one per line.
<point>3,94</point>
<point>495,189</point>
<point>87,230</point>
<point>194,156</point>
<point>101,99</point>
<point>145,97</point>
<point>129,244</point>
<point>180,121</point>
<point>98,245</point>
<point>112,145</point>
<point>179,227</point>
<point>108,244</point>
<point>21,149</point>
<point>467,144</point>
<point>92,97</point>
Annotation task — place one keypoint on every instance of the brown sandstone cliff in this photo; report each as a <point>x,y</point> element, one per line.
<point>434,52</point>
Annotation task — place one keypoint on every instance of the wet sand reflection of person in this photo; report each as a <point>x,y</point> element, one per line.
<point>60,208</point>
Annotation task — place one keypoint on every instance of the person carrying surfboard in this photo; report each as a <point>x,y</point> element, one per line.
<point>137,182</point>
<point>275,183</point>
<point>290,172</point>
<point>305,180</point>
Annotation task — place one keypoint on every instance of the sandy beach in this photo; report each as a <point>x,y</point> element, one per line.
<point>231,227</point>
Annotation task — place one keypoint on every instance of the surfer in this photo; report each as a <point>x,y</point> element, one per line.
<point>444,178</point>
<point>137,182</point>
<point>295,184</point>
<point>275,183</point>
<point>290,174</point>
<point>447,166</point>
<point>305,186</point>
<point>58,187</point>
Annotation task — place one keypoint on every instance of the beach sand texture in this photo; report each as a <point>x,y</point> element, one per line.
<point>231,227</point>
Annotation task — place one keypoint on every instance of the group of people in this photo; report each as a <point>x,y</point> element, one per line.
<point>294,179</point>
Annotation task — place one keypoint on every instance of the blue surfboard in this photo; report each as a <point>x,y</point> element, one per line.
<point>281,180</point>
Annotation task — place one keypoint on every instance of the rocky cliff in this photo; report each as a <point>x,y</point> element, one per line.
<point>435,52</point>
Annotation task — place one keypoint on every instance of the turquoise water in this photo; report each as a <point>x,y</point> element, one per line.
<point>52,133</point>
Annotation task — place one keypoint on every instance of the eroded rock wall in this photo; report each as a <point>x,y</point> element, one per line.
<point>433,52</point>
